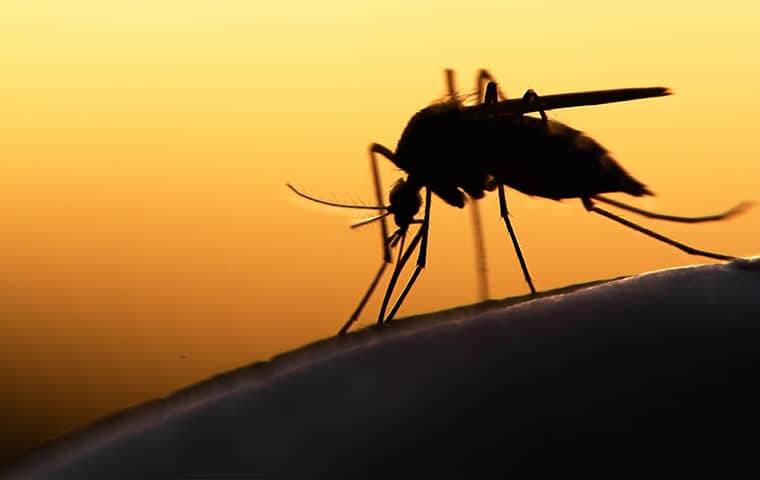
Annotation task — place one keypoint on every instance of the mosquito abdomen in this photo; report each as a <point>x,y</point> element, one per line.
<point>553,160</point>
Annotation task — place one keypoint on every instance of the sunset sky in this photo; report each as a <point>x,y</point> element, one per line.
<point>148,240</point>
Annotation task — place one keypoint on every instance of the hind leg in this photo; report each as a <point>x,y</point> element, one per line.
<point>589,205</point>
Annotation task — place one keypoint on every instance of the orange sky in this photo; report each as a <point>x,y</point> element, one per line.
<point>149,241</point>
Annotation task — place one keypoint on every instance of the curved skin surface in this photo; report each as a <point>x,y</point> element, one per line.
<point>650,374</point>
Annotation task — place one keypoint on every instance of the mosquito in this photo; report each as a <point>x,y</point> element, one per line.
<point>458,151</point>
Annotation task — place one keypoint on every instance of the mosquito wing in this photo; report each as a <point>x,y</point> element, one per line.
<point>566,100</point>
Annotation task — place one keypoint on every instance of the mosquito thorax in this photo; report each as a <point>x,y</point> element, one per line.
<point>405,202</point>
<point>431,134</point>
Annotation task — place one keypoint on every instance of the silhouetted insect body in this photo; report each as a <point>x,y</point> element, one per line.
<point>454,150</point>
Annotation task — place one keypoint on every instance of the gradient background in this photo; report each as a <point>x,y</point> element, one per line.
<point>148,240</point>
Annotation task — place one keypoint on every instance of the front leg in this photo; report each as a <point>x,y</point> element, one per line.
<point>421,258</point>
<point>377,149</point>
<point>374,150</point>
<point>403,258</point>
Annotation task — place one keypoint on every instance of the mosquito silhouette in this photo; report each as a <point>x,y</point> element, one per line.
<point>455,151</point>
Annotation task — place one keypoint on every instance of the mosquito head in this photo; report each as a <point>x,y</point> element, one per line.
<point>405,201</point>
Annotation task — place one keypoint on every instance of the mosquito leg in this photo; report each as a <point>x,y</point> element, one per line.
<point>354,316</point>
<point>374,150</point>
<point>451,87</point>
<point>484,77</point>
<point>736,210</point>
<point>480,255</point>
<point>491,94</point>
<point>505,216</point>
<point>421,257</point>
<point>532,98</point>
<point>477,228</point>
<point>480,251</point>
<point>589,205</point>
<point>400,263</point>
<point>491,98</point>
<point>394,277</point>
<point>363,301</point>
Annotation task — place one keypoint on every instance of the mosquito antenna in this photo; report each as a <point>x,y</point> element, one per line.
<point>369,220</point>
<point>335,204</point>
<point>733,211</point>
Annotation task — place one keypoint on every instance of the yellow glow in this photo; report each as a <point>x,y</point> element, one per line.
<point>149,241</point>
